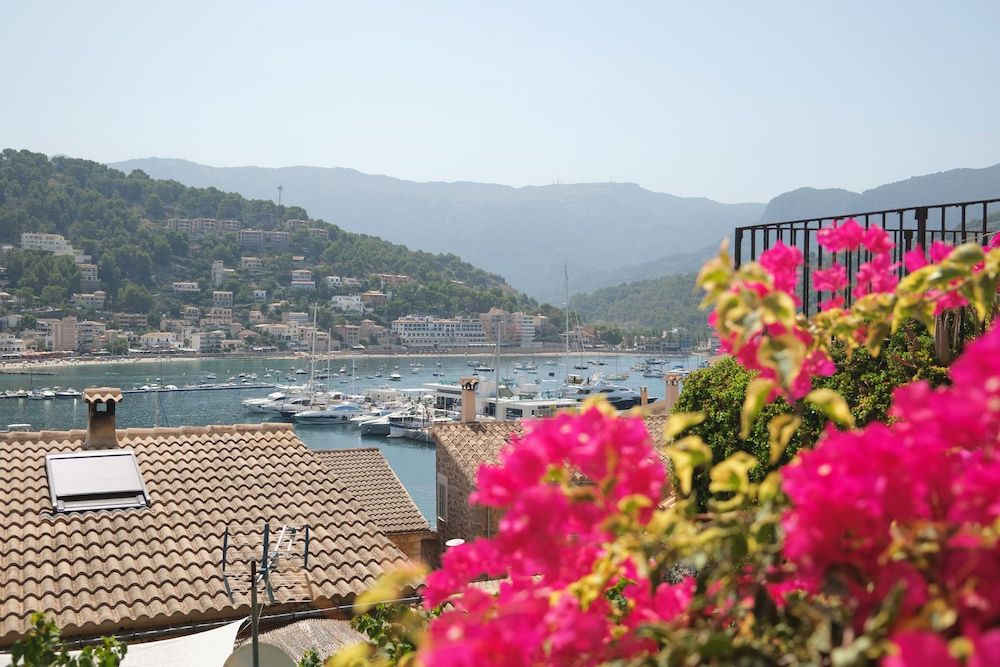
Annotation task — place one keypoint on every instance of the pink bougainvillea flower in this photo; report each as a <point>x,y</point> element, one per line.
<point>915,259</point>
<point>916,648</point>
<point>831,279</point>
<point>832,302</point>
<point>847,236</point>
<point>857,492</point>
<point>940,251</point>
<point>877,241</point>
<point>782,262</point>
<point>877,275</point>
<point>549,537</point>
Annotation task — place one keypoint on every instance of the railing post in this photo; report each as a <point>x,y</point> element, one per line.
<point>921,214</point>
<point>738,248</point>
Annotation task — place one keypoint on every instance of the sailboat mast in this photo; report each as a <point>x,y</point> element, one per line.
<point>496,401</point>
<point>566,294</point>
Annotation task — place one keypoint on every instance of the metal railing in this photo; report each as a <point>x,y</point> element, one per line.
<point>907,228</point>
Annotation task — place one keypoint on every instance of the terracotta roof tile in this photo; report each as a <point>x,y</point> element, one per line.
<point>98,571</point>
<point>373,483</point>
<point>473,444</point>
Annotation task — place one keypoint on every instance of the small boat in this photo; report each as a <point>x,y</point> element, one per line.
<point>68,393</point>
<point>210,376</point>
<point>395,377</point>
<point>482,368</point>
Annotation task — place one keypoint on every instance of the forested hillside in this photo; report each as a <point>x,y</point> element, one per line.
<point>656,305</point>
<point>120,219</point>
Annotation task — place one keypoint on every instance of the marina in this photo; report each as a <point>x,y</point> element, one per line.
<point>195,400</point>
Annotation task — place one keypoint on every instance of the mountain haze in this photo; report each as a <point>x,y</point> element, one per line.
<point>525,234</point>
<point>945,187</point>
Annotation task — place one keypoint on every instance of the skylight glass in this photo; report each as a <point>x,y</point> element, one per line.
<point>95,480</point>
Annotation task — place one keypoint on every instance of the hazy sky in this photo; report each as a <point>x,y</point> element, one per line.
<point>736,101</point>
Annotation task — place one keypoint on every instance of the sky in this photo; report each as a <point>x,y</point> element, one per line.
<point>735,101</point>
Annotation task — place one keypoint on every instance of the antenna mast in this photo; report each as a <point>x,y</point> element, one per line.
<point>281,189</point>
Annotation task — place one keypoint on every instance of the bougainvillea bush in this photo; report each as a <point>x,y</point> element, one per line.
<point>873,545</point>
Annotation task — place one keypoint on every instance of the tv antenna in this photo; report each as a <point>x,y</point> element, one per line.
<point>271,562</point>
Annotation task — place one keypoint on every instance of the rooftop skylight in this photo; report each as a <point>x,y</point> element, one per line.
<point>95,480</point>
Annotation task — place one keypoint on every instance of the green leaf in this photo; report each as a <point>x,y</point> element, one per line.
<point>680,422</point>
<point>757,393</point>
<point>781,428</point>
<point>831,404</point>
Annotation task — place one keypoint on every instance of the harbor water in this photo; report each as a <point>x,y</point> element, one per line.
<point>413,462</point>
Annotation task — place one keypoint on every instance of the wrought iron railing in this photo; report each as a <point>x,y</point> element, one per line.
<point>907,227</point>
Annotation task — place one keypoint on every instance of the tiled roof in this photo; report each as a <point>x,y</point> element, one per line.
<point>154,567</point>
<point>102,394</point>
<point>373,483</point>
<point>476,443</point>
<point>326,635</point>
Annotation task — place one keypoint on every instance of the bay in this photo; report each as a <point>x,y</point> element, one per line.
<point>414,463</point>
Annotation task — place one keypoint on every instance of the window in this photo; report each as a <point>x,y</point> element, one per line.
<point>442,497</point>
<point>95,480</point>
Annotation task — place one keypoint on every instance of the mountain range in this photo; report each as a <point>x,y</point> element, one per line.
<point>525,234</point>
<point>606,233</point>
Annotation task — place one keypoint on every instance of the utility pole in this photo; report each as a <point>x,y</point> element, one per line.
<point>254,627</point>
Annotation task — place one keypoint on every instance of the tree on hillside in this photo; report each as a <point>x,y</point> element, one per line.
<point>134,298</point>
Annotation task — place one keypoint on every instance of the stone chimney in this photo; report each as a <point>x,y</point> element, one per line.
<point>101,404</point>
<point>673,381</point>
<point>469,385</point>
<point>643,396</point>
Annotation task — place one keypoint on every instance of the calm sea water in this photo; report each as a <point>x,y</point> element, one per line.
<point>414,463</point>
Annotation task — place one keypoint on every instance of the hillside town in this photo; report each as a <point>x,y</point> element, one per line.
<point>210,319</point>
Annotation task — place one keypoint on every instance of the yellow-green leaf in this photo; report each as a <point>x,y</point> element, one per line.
<point>781,428</point>
<point>831,404</point>
<point>733,474</point>
<point>680,422</point>
<point>757,393</point>
<point>688,454</point>
<point>877,333</point>
<point>778,307</point>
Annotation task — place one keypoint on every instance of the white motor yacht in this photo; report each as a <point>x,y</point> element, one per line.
<point>340,413</point>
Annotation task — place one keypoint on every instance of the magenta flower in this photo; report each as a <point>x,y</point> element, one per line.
<point>548,538</point>
<point>876,240</point>
<point>832,279</point>
<point>783,263</point>
<point>847,236</point>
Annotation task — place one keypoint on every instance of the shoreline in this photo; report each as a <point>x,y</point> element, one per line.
<point>24,366</point>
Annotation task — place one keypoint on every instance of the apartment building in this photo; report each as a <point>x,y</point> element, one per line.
<point>158,340</point>
<point>222,298</point>
<point>262,237</point>
<point>433,332</point>
<point>185,286</point>
<point>202,226</point>
<point>347,304</point>
<point>90,335</point>
<point>135,321</point>
<point>57,244</point>
<point>252,264</point>
<point>90,299</point>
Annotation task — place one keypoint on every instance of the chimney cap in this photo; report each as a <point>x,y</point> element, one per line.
<point>102,395</point>
<point>469,383</point>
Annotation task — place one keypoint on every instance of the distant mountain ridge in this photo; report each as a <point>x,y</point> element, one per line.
<point>525,234</point>
<point>945,187</point>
